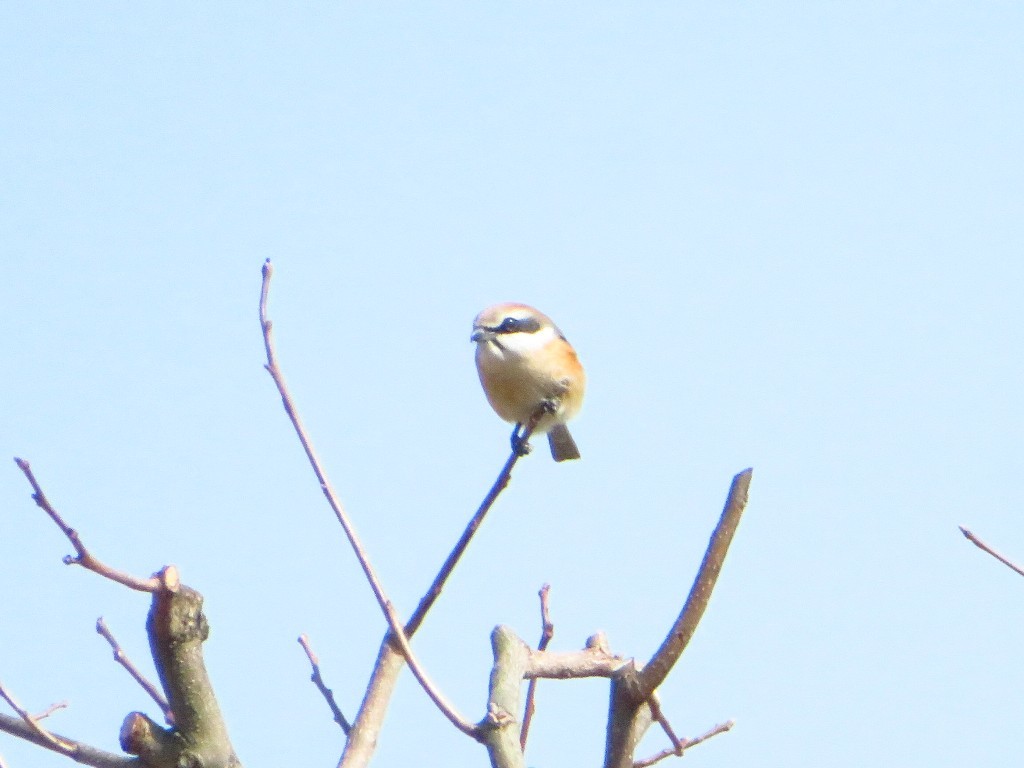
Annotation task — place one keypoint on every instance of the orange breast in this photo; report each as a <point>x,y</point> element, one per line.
<point>516,386</point>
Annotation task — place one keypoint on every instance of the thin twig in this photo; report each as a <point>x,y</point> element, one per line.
<point>50,710</point>
<point>655,704</point>
<point>122,658</point>
<point>58,745</point>
<point>502,481</point>
<point>684,745</point>
<point>326,692</point>
<point>985,547</point>
<point>82,555</point>
<point>398,634</point>
<point>546,633</point>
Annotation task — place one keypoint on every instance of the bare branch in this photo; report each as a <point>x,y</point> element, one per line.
<point>986,548</point>
<point>546,633</point>
<point>83,753</point>
<point>52,742</point>
<point>326,692</point>
<point>504,476</point>
<point>82,555</point>
<point>442,703</point>
<point>684,745</point>
<point>397,632</point>
<point>630,713</point>
<point>656,670</point>
<point>122,658</point>
<point>593,661</point>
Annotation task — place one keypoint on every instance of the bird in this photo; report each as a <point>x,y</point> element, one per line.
<point>527,368</point>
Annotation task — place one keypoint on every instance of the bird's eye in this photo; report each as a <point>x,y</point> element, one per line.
<point>509,325</point>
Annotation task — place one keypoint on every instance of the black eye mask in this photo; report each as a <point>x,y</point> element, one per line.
<point>517,325</point>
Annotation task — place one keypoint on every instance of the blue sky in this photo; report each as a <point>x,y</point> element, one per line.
<point>785,236</point>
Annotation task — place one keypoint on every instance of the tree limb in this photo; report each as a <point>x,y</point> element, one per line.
<point>177,629</point>
<point>571,665</point>
<point>656,670</point>
<point>500,734</point>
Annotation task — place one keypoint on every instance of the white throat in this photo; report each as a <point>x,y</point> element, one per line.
<point>521,344</point>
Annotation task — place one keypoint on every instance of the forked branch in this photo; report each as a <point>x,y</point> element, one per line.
<point>630,712</point>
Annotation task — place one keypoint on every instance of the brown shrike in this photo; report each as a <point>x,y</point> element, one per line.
<point>526,364</point>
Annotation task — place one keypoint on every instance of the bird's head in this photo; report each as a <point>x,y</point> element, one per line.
<point>516,328</point>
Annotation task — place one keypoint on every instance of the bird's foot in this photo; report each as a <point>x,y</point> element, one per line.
<point>520,446</point>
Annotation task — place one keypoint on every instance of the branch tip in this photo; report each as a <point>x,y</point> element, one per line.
<point>656,670</point>
<point>82,556</point>
<point>986,548</point>
<point>326,692</point>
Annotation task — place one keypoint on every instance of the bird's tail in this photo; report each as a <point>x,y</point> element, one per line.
<point>563,447</point>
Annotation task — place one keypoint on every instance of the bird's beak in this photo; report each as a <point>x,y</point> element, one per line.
<point>481,334</point>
